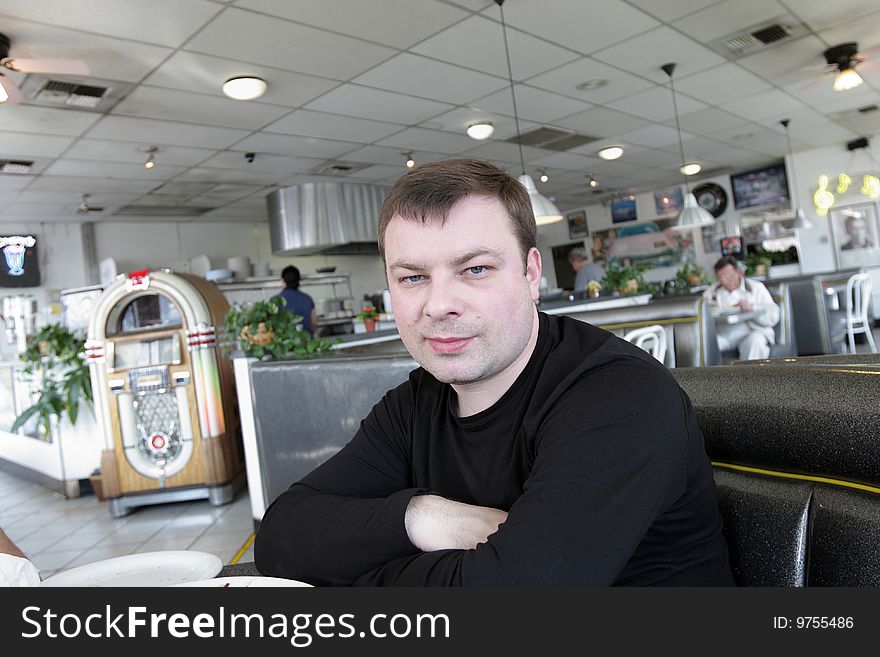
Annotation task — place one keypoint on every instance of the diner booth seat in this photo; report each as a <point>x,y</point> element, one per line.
<point>797,466</point>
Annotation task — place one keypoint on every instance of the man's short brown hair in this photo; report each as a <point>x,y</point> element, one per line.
<point>726,260</point>
<point>431,190</point>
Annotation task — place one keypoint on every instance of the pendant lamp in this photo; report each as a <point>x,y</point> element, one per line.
<point>801,221</point>
<point>692,215</point>
<point>543,208</point>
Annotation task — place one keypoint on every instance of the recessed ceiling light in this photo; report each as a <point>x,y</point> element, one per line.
<point>480,129</point>
<point>610,153</point>
<point>245,87</point>
<point>690,169</point>
<point>589,85</point>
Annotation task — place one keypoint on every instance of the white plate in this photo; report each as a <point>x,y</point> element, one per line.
<point>145,569</point>
<point>245,581</point>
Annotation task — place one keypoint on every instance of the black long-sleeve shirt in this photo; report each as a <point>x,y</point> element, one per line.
<point>594,452</point>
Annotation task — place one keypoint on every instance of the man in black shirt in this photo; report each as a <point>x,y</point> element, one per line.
<point>526,450</point>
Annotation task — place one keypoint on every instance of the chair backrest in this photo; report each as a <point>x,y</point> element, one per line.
<point>650,338</point>
<point>858,297</point>
<point>786,340</point>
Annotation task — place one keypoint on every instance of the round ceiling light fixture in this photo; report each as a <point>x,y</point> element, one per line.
<point>589,85</point>
<point>690,169</point>
<point>544,177</point>
<point>410,162</point>
<point>246,87</point>
<point>592,182</point>
<point>610,153</point>
<point>480,130</point>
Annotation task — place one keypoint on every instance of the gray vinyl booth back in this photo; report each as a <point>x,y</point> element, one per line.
<point>797,467</point>
<point>305,411</point>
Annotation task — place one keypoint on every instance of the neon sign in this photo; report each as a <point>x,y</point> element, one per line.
<point>823,197</point>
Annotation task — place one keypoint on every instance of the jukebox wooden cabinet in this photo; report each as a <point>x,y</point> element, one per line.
<point>164,397</point>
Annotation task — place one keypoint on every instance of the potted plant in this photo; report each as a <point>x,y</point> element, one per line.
<point>54,357</point>
<point>628,280</point>
<point>758,264</point>
<point>267,330</point>
<point>370,316</point>
<point>691,275</point>
<point>593,289</point>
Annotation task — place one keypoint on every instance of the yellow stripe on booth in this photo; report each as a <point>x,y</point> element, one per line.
<point>243,549</point>
<point>802,477</point>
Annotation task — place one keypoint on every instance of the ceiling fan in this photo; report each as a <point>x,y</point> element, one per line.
<point>842,60</point>
<point>84,207</point>
<point>9,92</point>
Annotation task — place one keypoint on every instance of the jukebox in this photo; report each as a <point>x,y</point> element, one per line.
<point>164,397</point>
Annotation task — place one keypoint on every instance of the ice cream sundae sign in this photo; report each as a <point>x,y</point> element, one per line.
<point>19,261</point>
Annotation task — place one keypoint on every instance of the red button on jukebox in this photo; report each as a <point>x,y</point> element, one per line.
<point>158,441</point>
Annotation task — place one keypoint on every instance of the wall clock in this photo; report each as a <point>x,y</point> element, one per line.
<point>712,197</point>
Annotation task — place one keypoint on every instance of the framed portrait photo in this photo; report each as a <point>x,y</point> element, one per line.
<point>856,236</point>
<point>577,224</point>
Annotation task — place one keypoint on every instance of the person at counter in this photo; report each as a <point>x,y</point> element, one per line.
<point>527,449</point>
<point>584,270</point>
<point>753,337</point>
<point>299,303</point>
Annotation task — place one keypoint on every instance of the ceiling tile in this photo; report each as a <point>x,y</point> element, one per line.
<point>164,132</point>
<point>282,165</point>
<point>255,178</point>
<point>413,19</point>
<point>206,74</point>
<point>8,181</point>
<point>89,168</point>
<point>564,80</point>
<point>669,10</point>
<point>287,45</point>
<point>427,78</point>
<point>47,120</point>
<point>849,100</point>
<point>30,145</point>
<point>460,118</point>
<point>112,59</point>
<point>729,17</point>
<point>656,104</point>
<point>602,122</point>
<point>500,151</point>
<point>333,126</point>
<point>478,43</point>
<point>654,136</point>
<point>582,25</point>
<point>379,172</point>
<point>165,22</point>
<point>765,105</point>
<point>369,103</point>
<point>822,15</point>
<point>390,156</point>
<point>643,55</point>
<point>439,141</point>
<point>707,122</point>
<point>265,142</point>
<point>532,104</point>
<point>721,83</point>
<point>88,185</point>
<point>174,105</point>
<point>131,151</point>
<point>799,60</point>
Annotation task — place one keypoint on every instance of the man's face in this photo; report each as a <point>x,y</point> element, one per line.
<point>729,277</point>
<point>464,306</point>
<point>858,231</point>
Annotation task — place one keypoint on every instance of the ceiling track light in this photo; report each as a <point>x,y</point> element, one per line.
<point>480,130</point>
<point>801,221</point>
<point>544,177</point>
<point>692,214</point>
<point>151,160</point>
<point>410,162</point>
<point>543,208</point>
<point>245,87</point>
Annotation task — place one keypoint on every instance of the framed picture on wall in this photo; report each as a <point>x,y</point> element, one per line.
<point>668,201</point>
<point>623,209</point>
<point>577,224</point>
<point>856,235</point>
<point>732,245</point>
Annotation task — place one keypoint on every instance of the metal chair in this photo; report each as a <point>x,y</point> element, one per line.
<point>650,338</point>
<point>858,298</point>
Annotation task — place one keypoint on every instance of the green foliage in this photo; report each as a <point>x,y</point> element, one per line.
<point>689,272</point>
<point>618,277</point>
<point>267,330</point>
<point>756,260</point>
<point>368,312</point>
<point>54,357</point>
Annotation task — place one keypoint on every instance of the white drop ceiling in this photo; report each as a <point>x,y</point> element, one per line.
<point>362,81</point>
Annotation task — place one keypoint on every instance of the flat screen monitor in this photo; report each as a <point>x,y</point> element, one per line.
<point>760,187</point>
<point>19,264</point>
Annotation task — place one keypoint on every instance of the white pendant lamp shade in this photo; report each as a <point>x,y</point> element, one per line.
<point>693,215</point>
<point>801,220</point>
<point>544,209</point>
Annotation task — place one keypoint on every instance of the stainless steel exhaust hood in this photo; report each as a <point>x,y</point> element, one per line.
<point>332,218</point>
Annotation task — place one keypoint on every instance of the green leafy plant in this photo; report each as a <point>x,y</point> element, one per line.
<point>53,356</point>
<point>626,279</point>
<point>368,312</point>
<point>267,330</point>
<point>757,263</point>
<point>691,275</point>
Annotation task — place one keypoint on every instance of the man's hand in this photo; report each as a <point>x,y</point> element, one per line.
<point>435,523</point>
<point>745,305</point>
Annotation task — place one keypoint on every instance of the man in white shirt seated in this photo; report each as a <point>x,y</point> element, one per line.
<point>754,336</point>
<point>15,569</point>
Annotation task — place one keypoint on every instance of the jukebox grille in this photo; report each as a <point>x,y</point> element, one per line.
<point>158,427</point>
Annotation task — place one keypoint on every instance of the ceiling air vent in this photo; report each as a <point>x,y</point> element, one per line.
<point>338,168</point>
<point>771,34</point>
<point>551,138</point>
<point>70,93</point>
<point>757,37</point>
<point>15,166</point>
